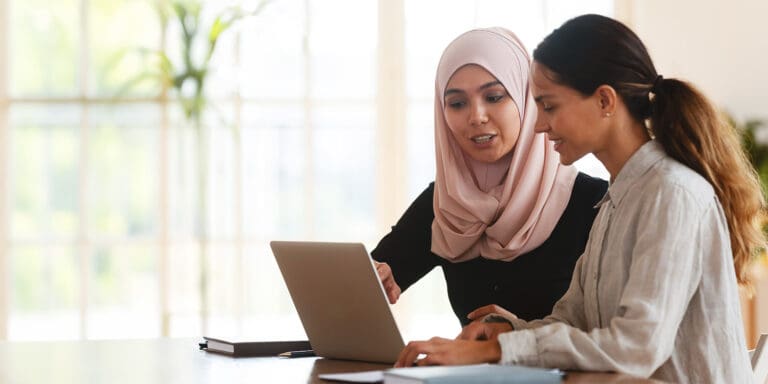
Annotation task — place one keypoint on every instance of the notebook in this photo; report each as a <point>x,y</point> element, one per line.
<point>460,374</point>
<point>340,300</point>
<point>468,374</point>
<point>236,346</point>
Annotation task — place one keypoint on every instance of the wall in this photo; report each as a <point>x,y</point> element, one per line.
<point>721,46</point>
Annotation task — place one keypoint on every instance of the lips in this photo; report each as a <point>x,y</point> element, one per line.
<point>482,139</point>
<point>556,142</point>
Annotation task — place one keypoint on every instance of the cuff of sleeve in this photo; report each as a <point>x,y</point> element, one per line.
<point>518,324</point>
<point>495,318</point>
<point>519,347</point>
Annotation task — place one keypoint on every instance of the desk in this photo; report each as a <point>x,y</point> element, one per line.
<point>179,361</point>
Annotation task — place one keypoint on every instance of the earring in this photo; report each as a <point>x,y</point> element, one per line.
<point>607,114</point>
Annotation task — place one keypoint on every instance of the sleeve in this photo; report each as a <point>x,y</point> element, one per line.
<point>407,248</point>
<point>664,273</point>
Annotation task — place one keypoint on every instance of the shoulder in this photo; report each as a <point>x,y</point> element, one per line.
<point>588,189</point>
<point>586,193</point>
<point>427,194</point>
<point>671,179</point>
<point>423,202</point>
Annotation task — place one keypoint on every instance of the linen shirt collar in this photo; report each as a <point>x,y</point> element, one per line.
<point>638,164</point>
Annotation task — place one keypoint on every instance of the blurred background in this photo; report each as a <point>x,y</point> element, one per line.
<point>136,204</point>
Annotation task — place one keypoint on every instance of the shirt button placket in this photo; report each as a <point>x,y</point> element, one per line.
<point>598,260</point>
<point>596,252</point>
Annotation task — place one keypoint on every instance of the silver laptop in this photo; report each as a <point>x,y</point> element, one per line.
<point>340,300</point>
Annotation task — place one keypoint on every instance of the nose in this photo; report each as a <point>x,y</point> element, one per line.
<point>542,125</point>
<point>478,115</point>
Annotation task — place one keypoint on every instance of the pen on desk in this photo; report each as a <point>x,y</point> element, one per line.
<point>305,353</point>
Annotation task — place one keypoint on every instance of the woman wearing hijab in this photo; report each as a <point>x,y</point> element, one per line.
<point>504,218</point>
<point>655,294</point>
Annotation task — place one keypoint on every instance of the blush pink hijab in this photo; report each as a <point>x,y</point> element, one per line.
<point>504,209</point>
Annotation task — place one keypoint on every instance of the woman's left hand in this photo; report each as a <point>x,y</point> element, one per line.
<point>440,351</point>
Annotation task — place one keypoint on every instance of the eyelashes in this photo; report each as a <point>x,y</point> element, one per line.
<point>460,103</point>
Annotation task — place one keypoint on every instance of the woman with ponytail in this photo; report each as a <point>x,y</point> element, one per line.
<point>655,293</point>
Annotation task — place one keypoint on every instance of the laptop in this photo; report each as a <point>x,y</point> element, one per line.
<point>340,300</point>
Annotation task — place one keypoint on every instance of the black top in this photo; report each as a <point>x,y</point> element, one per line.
<point>527,286</point>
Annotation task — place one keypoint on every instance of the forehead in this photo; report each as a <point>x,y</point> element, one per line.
<point>469,75</point>
<point>543,87</point>
<point>540,78</point>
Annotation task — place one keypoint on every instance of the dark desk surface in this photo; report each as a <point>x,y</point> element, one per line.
<point>179,361</point>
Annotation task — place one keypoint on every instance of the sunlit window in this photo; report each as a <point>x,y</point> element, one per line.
<point>103,231</point>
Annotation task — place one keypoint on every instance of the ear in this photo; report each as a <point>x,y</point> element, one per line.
<point>607,98</point>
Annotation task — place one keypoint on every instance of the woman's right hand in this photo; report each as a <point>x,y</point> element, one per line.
<point>492,309</point>
<point>388,281</point>
<point>479,330</point>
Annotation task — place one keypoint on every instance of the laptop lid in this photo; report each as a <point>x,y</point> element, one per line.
<point>340,300</point>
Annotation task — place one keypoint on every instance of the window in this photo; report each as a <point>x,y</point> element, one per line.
<point>101,183</point>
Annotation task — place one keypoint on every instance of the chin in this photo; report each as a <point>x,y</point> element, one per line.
<point>569,160</point>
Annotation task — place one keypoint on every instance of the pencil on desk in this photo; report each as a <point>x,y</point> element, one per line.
<point>305,353</point>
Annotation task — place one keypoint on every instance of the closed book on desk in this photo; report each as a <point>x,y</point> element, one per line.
<point>244,347</point>
<point>468,374</point>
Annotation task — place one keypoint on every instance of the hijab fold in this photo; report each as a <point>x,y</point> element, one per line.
<point>503,209</point>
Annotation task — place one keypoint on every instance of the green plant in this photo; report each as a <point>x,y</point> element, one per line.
<point>758,154</point>
<point>758,151</point>
<point>186,78</point>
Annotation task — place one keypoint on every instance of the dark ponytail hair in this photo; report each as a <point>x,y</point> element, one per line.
<point>592,50</point>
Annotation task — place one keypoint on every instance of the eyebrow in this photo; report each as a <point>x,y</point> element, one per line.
<point>540,97</point>
<point>484,86</point>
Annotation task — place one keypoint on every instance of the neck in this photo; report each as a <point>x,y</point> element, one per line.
<point>626,138</point>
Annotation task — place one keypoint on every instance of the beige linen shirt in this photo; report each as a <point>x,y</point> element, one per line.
<point>654,294</point>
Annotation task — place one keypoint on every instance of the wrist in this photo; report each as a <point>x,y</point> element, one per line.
<point>493,349</point>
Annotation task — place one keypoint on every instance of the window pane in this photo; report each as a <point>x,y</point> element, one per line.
<point>44,293</point>
<point>273,180</point>
<point>221,180</point>
<point>44,159</point>
<point>560,11</point>
<point>425,45</point>
<point>221,79</point>
<point>186,168</point>
<point>271,67</point>
<point>344,172</point>
<point>123,292</point>
<point>425,311</point>
<point>348,72</point>
<point>184,293</point>
<point>119,30</point>
<point>44,47</point>
<point>421,147</point>
<point>225,273</point>
<point>590,165</point>
<point>183,164</point>
<point>525,18</point>
<point>123,174</point>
